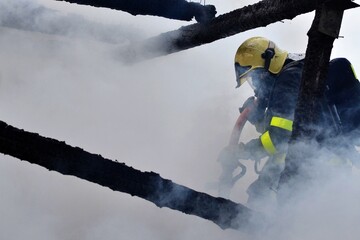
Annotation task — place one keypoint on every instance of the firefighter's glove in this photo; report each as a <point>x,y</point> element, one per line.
<point>255,149</point>
<point>256,114</point>
<point>230,155</point>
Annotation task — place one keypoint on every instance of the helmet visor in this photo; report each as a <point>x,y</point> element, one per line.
<point>240,73</point>
<point>254,76</point>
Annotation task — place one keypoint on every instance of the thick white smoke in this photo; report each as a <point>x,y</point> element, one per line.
<point>170,115</point>
<point>323,208</point>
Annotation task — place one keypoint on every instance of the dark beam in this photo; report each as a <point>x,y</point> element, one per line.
<point>173,9</point>
<point>60,157</point>
<point>308,127</point>
<point>253,16</point>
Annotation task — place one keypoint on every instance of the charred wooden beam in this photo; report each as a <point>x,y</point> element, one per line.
<point>308,127</point>
<point>312,88</point>
<point>173,9</point>
<point>60,157</point>
<point>253,16</point>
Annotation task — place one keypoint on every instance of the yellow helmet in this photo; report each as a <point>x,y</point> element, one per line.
<point>258,52</point>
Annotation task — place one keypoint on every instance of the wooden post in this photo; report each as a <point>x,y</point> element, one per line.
<point>307,127</point>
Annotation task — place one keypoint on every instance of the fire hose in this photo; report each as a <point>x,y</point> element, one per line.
<point>227,180</point>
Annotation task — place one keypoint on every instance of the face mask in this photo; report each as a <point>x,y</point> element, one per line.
<point>259,79</point>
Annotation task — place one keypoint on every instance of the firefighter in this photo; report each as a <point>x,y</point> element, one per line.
<point>275,76</point>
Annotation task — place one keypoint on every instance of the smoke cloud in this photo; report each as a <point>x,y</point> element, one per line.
<point>322,207</point>
<point>171,115</point>
<point>32,16</point>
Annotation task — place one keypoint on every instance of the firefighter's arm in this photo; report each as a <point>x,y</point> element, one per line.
<point>272,141</point>
<point>278,128</point>
<point>230,155</point>
<point>257,113</point>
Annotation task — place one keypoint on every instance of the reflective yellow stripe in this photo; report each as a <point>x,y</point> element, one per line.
<point>353,71</point>
<point>281,123</point>
<point>267,143</point>
<point>265,139</point>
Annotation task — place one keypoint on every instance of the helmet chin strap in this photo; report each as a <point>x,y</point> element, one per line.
<point>268,54</point>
